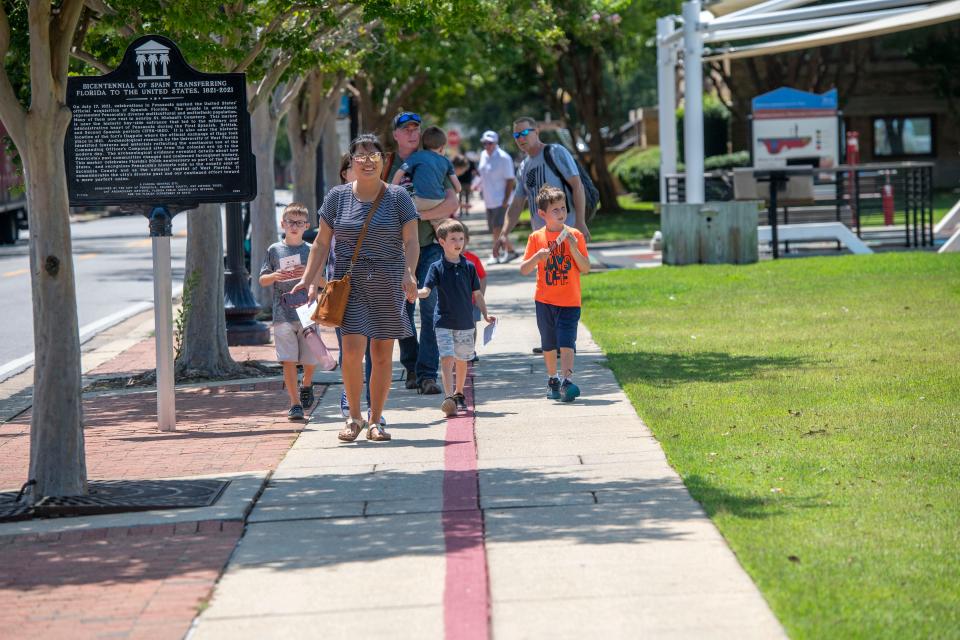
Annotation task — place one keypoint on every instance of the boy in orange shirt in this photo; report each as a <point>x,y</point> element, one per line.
<point>558,253</point>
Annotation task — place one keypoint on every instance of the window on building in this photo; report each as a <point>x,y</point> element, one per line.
<point>903,136</point>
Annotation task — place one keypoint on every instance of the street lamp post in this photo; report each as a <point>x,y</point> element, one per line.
<point>239,303</point>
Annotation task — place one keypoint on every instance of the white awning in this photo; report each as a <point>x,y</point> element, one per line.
<point>936,14</point>
<point>726,7</point>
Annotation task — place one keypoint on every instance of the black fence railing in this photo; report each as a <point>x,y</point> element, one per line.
<point>889,203</point>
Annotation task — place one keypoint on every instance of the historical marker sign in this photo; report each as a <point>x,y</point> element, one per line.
<point>795,127</point>
<point>157,131</point>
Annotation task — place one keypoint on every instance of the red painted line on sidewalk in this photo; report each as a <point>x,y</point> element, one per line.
<point>466,595</point>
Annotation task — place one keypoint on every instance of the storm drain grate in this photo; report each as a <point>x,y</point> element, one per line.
<point>117,496</point>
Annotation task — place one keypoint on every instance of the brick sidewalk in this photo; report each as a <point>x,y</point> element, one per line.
<point>143,356</point>
<point>222,429</point>
<point>139,582</point>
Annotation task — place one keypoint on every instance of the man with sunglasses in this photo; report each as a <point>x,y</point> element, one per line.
<point>535,171</point>
<point>420,358</point>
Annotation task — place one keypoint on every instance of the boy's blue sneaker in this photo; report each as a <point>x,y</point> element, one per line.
<point>306,396</point>
<point>568,391</point>
<point>553,389</point>
<point>344,405</point>
<point>383,421</point>
<point>295,414</point>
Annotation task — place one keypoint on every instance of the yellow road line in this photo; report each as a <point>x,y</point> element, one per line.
<point>87,256</point>
<point>140,243</point>
<point>17,272</point>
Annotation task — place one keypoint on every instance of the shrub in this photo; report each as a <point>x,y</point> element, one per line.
<point>727,161</point>
<point>716,126</point>
<point>639,170</point>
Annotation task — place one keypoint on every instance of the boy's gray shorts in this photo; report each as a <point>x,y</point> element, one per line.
<point>455,342</point>
<point>290,343</point>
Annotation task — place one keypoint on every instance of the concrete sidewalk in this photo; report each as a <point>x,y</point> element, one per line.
<point>526,518</point>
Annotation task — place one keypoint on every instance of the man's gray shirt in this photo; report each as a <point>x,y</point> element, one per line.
<point>534,172</point>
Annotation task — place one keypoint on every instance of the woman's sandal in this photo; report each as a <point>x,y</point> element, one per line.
<point>381,434</point>
<point>351,430</point>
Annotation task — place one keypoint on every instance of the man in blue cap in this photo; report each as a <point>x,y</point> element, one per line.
<point>420,358</point>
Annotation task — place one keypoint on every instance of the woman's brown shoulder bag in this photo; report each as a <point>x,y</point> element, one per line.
<point>332,301</point>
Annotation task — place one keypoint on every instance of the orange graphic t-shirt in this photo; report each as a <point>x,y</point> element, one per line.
<point>558,277</point>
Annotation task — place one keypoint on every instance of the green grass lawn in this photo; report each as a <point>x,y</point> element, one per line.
<point>637,221</point>
<point>813,407</point>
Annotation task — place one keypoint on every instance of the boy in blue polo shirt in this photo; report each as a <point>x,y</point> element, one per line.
<point>458,290</point>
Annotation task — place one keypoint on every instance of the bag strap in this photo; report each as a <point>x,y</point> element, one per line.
<point>548,156</point>
<point>366,223</point>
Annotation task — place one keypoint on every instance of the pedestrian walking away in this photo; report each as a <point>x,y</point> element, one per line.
<point>281,270</point>
<point>381,278</point>
<point>496,185</point>
<point>466,170</point>
<point>419,357</point>
<point>558,253</point>
<point>458,286</point>
<point>535,172</point>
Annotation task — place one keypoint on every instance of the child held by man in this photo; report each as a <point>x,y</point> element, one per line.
<point>282,269</point>
<point>458,288</point>
<point>558,254</point>
<point>428,168</point>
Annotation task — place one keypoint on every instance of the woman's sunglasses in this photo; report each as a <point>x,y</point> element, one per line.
<point>360,158</point>
<point>521,134</point>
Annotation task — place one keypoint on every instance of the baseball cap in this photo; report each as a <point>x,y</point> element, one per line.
<point>490,136</point>
<point>405,117</point>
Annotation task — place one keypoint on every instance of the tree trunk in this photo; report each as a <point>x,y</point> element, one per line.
<point>306,120</point>
<point>330,143</point>
<point>205,352</point>
<point>585,66</point>
<point>263,216</point>
<point>377,118</point>
<point>57,457</point>
<point>305,177</point>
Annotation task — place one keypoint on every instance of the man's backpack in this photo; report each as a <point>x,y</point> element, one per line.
<point>590,193</point>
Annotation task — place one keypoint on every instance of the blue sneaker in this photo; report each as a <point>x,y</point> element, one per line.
<point>383,421</point>
<point>344,405</point>
<point>553,389</point>
<point>568,391</point>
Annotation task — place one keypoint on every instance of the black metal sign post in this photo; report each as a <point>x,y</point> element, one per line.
<point>776,180</point>
<point>159,136</point>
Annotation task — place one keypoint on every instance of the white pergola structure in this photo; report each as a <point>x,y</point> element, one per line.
<point>729,21</point>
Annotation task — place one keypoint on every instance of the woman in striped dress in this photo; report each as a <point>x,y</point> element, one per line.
<point>381,282</point>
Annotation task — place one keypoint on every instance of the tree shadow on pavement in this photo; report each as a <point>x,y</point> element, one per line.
<point>519,505</point>
<point>548,506</point>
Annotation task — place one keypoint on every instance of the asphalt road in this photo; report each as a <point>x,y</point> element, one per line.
<point>114,266</point>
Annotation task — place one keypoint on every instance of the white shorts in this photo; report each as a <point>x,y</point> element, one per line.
<point>457,343</point>
<point>290,343</point>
